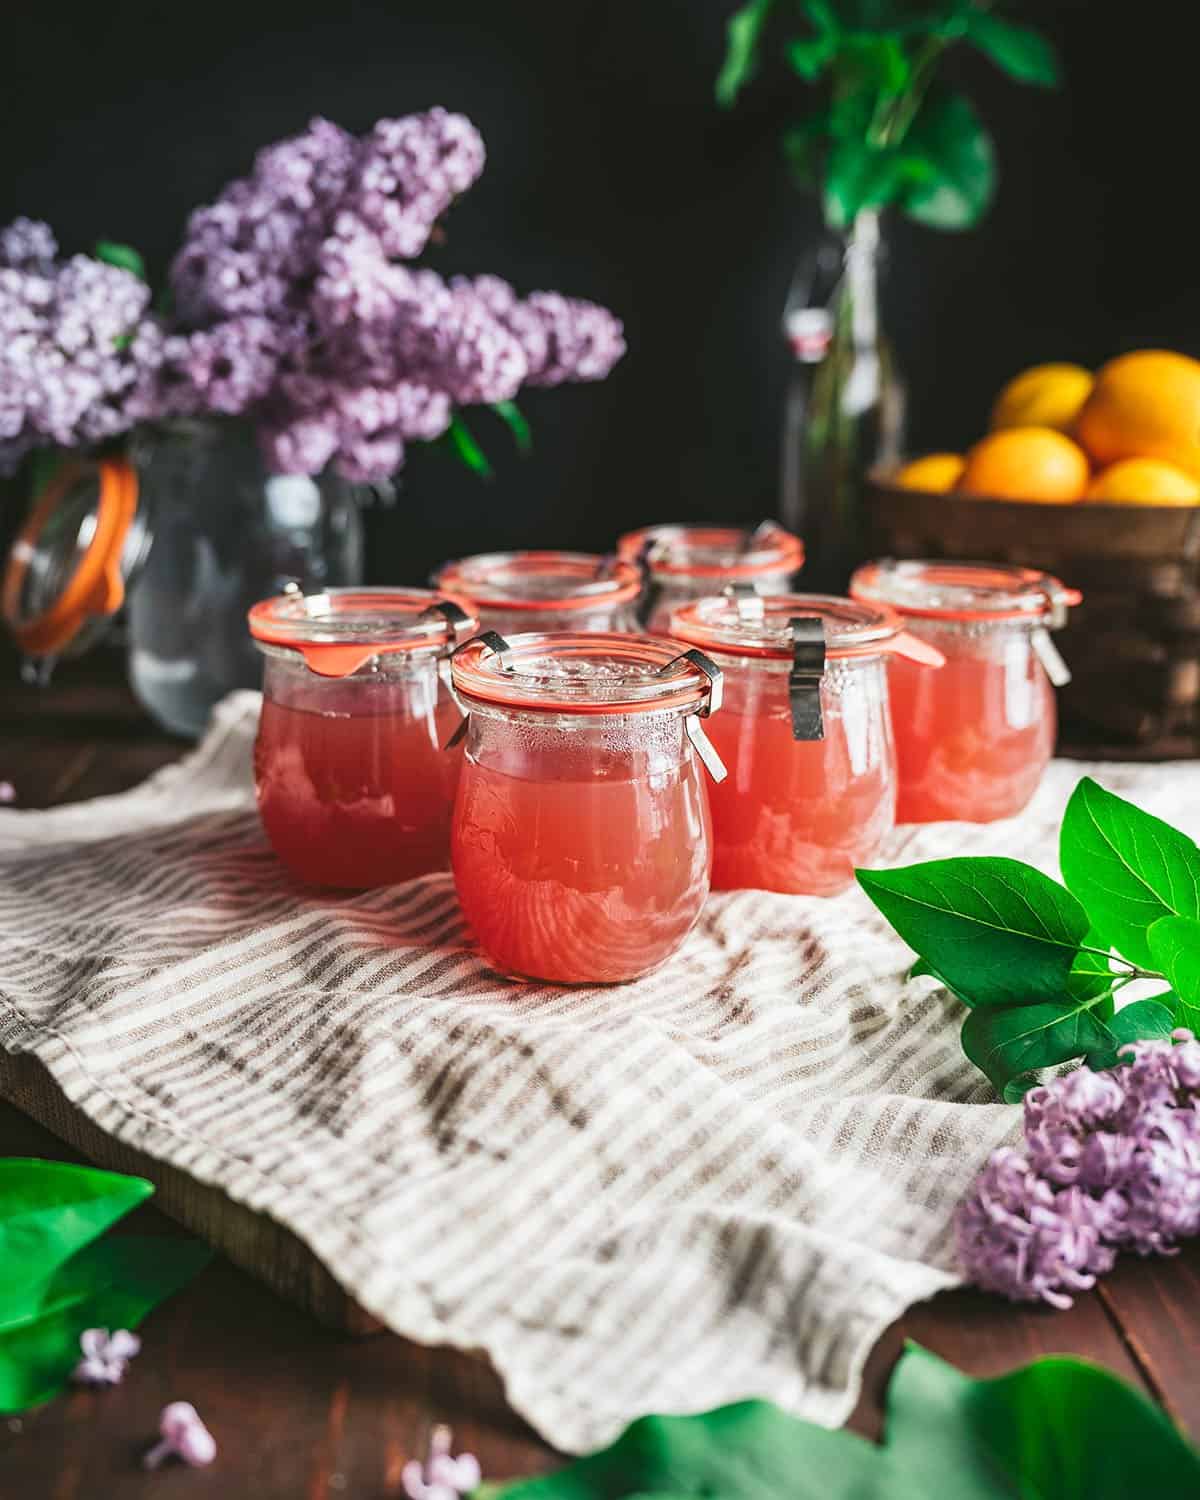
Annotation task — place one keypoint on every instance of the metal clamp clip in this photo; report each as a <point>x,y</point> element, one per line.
<point>694,730</point>
<point>456,618</point>
<point>804,679</point>
<point>500,647</point>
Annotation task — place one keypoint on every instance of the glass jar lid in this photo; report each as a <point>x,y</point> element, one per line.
<point>605,673</point>
<point>338,631</point>
<point>69,566</point>
<point>713,551</point>
<point>936,590</point>
<point>540,581</point>
<point>748,624</point>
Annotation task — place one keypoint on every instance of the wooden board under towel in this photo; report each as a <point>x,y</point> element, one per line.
<point>253,1241</point>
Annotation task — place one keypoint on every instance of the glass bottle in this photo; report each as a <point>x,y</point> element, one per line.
<point>844,410</point>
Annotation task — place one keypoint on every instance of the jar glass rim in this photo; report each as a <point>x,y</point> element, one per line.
<point>604,672</point>
<point>697,550</point>
<point>337,630</point>
<point>540,580</point>
<point>760,625</point>
<point>942,589</point>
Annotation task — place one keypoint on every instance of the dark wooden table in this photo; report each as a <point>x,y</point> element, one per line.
<point>302,1414</point>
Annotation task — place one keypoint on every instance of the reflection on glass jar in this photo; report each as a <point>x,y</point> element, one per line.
<point>805,736</point>
<point>581,844</point>
<point>683,563</point>
<point>974,739</point>
<point>355,787</point>
<point>545,591</point>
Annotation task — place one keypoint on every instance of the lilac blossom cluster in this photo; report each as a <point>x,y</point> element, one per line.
<point>295,303</point>
<point>1111,1162</point>
<point>368,351</point>
<point>75,344</point>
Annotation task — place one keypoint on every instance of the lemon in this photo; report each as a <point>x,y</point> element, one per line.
<point>1026,463</point>
<point>1144,481</point>
<point>1144,405</point>
<point>935,473</point>
<point>1044,396</point>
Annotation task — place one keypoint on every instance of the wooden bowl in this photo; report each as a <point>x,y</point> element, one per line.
<point>1133,645</point>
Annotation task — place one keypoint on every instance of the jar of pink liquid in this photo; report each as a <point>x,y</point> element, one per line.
<point>973,739</point>
<point>581,844</point>
<point>682,563</point>
<point>805,735</point>
<point>514,592</point>
<point>355,787</point>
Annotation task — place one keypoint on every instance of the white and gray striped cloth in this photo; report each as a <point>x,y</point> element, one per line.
<point>722,1180</point>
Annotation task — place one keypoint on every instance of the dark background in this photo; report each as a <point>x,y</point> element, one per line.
<point>612,175</point>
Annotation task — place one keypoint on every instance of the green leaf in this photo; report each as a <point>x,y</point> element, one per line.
<point>742,33</point>
<point>802,148</point>
<point>999,932</point>
<point>1005,1041</point>
<point>111,1283</point>
<point>1129,869</point>
<point>514,419</point>
<point>1022,53</point>
<point>1091,973</point>
<point>1058,1428</point>
<point>51,1209</point>
<point>124,256</point>
<point>959,175</point>
<point>1016,1088</point>
<point>1140,1021</point>
<point>1175,947</point>
<point>463,442</point>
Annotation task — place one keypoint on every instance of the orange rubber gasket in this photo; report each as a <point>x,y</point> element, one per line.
<point>96,587</point>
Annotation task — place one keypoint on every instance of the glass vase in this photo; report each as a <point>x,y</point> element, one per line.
<point>844,411</point>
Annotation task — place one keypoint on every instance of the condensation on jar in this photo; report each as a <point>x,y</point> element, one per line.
<point>582,841</point>
<point>517,592</point>
<point>805,735</point>
<point>974,739</point>
<point>683,563</point>
<point>354,786</point>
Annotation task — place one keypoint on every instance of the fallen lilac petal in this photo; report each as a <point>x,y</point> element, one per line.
<point>183,1434</point>
<point>8,792</point>
<point>105,1356</point>
<point>441,1477</point>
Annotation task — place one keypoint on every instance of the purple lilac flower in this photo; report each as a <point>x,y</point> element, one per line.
<point>105,1355</point>
<point>407,174</point>
<point>183,1435</point>
<point>1111,1161</point>
<point>28,245</point>
<point>584,340</point>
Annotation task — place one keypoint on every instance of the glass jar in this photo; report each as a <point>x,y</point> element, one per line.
<point>682,563</point>
<point>185,534</point>
<point>805,733</point>
<point>973,739</point>
<point>545,591</point>
<point>581,843</point>
<point>354,786</point>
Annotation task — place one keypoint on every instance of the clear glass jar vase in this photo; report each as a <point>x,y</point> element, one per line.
<point>805,734</point>
<point>685,562</point>
<point>186,533</point>
<point>581,843</point>
<point>845,404</point>
<point>974,739</point>
<point>515,592</point>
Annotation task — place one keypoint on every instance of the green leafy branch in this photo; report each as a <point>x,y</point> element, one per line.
<point>1057,1427</point>
<point>1038,963</point>
<point>885,131</point>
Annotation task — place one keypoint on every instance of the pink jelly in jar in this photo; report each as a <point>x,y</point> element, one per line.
<point>973,739</point>
<point>683,563</point>
<point>581,844</point>
<point>804,733</point>
<point>354,786</point>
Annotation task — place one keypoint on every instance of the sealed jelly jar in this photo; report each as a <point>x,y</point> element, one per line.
<point>581,845</point>
<point>541,591</point>
<point>354,786</point>
<point>682,563</point>
<point>804,732</point>
<point>973,739</point>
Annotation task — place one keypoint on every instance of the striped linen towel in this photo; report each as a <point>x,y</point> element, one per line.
<point>723,1180</point>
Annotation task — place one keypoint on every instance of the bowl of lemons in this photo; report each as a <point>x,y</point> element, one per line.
<point>1094,477</point>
